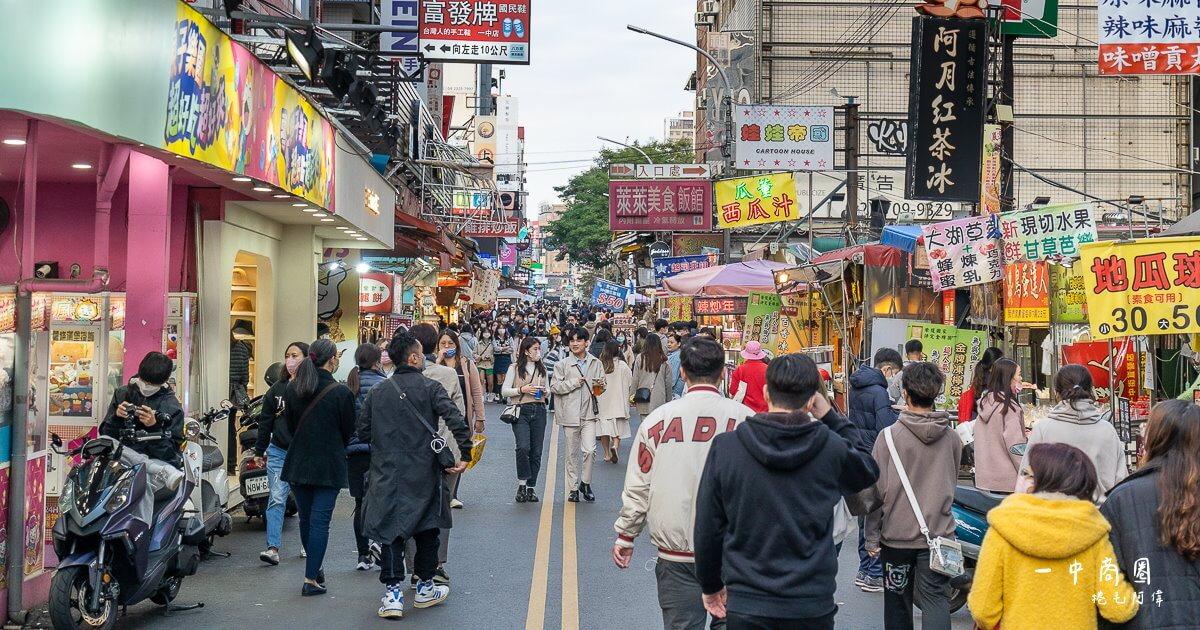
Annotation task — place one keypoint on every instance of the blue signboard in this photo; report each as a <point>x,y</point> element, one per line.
<point>672,266</point>
<point>610,295</point>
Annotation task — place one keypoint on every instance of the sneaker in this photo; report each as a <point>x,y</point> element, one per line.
<point>860,579</point>
<point>308,590</point>
<point>393,603</point>
<point>530,496</point>
<point>440,577</point>
<point>430,594</point>
<point>585,489</point>
<point>455,504</point>
<point>872,584</point>
<point>376,552</point>
<point>303,552</point>
<point>365,563</point>
<point>270,556</point>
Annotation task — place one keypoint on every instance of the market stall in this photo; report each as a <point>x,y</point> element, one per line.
<point>718,297</point>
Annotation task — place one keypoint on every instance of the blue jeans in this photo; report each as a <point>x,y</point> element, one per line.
<point>872,567</point>
<point>316,511</point>
<point>277,503</point>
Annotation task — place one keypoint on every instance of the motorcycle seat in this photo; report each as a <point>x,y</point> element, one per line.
<point>212,459</point>
<point>248,437</point>
<point>976,500</point>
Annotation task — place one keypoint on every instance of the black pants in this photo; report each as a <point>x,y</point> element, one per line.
<point>391,561</point>
<point>750,622</point>
<point>906,573</point>
<point>358,465</point>
<point>530,432</point>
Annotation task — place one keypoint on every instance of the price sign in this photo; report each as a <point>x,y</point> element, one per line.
<point>1142,287</point>
<point>610,295</point>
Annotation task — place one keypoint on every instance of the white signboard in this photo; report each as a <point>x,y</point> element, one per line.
<point>783,138</point>
<point>402,13</point>
<point>871,184</point>
<point>673,171</point>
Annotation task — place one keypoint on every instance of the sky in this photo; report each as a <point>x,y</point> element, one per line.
<point>589,76</point>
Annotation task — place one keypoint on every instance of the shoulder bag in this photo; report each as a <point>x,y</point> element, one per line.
<point>311,405</point>
<point>945,554</point>
<point>595,403</point>
<point>442,455</point>
<point>642,395</point>
<point>512,411</point>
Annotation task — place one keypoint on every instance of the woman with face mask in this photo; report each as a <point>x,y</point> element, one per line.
<point>1000,426</point>
<point>502,349</point>
<point>273,442</point>
<point>385,360</point>
<point>450,354</point>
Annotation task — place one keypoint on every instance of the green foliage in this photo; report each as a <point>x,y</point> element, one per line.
<point>582,231</point>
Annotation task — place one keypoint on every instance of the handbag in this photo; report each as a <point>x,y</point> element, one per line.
<point>442,453</point>
<point>864,501</point>
<point>510,414</point>
<point>945,554</point>
<point>642,395</point>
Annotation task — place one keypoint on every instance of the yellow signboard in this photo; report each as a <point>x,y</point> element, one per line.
<point>1144,287</point>
<point>768,198</point>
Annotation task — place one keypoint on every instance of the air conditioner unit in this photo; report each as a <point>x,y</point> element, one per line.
<point>703,19</point>
<point>711,7</point>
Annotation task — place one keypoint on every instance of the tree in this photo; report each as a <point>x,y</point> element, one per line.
<point>582,231</point>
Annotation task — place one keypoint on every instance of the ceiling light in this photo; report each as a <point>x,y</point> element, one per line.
<point>14,142</point>
<point>327,220</point>
<point>281,196</point>
<point>309,210</point>
<point>81,165</point>
<point>362,267</point>
<point>342,227</point>
<point>262,188</point>
<point>320,215</point>
<point>241,179</point>
<point>299,205</point>
<point>306,52</point>
<point>361,238</point>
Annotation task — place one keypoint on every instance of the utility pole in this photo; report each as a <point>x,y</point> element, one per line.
<point>484,103</point>
<point>852,166</point>
<point>1007,200</point>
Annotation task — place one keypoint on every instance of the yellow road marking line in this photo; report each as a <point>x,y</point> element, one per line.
<point>535,615</point>
<point>570,576</point>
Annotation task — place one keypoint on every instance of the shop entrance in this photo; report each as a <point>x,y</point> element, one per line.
<point>249,285</point>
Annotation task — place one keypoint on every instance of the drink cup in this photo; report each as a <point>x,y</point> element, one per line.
<point>537,393</point>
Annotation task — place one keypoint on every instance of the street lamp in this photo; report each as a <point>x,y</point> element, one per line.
<point>627,146</point>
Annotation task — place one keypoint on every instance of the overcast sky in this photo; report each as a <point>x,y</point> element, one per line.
<point>589,76</point>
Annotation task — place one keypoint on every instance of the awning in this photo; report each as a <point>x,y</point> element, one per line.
<point>1187,226</point>
<point>902,237</point>
<point>871,255</point>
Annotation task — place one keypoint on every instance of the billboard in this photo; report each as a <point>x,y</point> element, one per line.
<point>767,198</point>
<point>475,32</point>
<point>610,295</point>
<point>1143,287</point>
<point>777,137</point>
<point>486,227</point>
<point>1149,37</point>
<point>402,13</point>
<point>666,205</point>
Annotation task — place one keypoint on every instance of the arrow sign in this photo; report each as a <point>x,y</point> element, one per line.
<point>673,171</point>
<point>430,47</point>
<point>620,170</point>
<point>445,49</point>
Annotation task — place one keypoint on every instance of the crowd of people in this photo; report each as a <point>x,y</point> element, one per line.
<point>747,478</point>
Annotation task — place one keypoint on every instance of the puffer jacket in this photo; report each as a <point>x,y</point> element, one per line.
<point>1081,425</point>
<point>1170,585</point>
<point>870,406</point>
<point>366,380</point>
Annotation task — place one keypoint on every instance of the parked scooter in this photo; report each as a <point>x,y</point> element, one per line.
<point>252,475</point>
<point>211,495</point>
<point>120,540</point>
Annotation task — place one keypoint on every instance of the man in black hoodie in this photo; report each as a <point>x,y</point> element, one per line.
<point>764,510</point>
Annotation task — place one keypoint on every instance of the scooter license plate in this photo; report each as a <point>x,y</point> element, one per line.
<point>257,486</point>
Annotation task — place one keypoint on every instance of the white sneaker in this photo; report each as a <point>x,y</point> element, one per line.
<point>430,594</point>
<point>303,552</point>
<point>455,504</point>
<point>393,603</point>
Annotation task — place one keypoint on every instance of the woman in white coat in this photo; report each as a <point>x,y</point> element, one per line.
<point>614,402</point>
<point>651,372</point>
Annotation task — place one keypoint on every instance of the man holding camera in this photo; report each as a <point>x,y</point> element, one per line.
<point>150,404</point>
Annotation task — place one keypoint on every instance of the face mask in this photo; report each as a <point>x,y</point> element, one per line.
<point>524,331</point>
<point>487,335</point>
<point>620,340</point>
<point>146,389</point>
<point>451,352</point>
<point>291,363</point>
<point>385,359</point>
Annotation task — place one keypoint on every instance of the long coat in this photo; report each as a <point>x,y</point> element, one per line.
<point>407,490</point>
<point>659,383</point>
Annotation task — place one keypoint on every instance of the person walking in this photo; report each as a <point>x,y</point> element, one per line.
<point>407,494</point>
<point>1156,521</point>
<point>674,344</point>
<point>871,411</point>
<point>526,385</point>
<point>452,354</point>
<point>748,379</point>
<point>367,373</point>
<point>613,425</point>
<point>485,354</point>
<point>319,413</point>
<point>1000,426</point>
<point>922,447</point>
<point>651,376</point>
<point>968,403</point>
<point>662,479</point>
<point>271,448</point>
<point>1049,543</point>
<point>1075,420</point>
<point>502,349</point>
<point>764,535</point>
<point>577,380</point>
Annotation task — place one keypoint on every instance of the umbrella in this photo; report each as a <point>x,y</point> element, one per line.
<point>733,279</point>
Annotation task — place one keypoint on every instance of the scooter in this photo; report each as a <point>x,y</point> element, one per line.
<point>119,540</point>
<point>252,473</point>
<point>211,495</point>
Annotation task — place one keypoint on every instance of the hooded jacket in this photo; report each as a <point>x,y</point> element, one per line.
<point>997,429</point>
<point>930,451</point>
<point>765,511</point>
<point>1081,425</point>
<point>1047,562</point>
<point>870,406</point>
<point>168,418</point>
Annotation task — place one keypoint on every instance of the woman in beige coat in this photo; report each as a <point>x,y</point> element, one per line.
<point>651,371</point>
<point>1000,426</point>
<point>614,402</point>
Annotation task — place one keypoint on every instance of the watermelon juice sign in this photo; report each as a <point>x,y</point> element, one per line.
<point>610,295</point>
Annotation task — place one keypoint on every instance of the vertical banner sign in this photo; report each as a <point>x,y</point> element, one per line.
<point>679,308</point>
<point>1068,298</point>
<point>1142,287</point>
<point>1052,232</point>
<point>773,137</point>
<point>475,32</point>
<point>963,252</point>
<point>947,99</point>
<point>794,332</point>
<point>1149,37</point>
<point>762,319</point>
<point>610,295</point>
<point>756,200</point>
<point>992,141</point>
<point>954,351</point>
<point>660,205</point>
<point>1027,293</point>
<point>403,13</point>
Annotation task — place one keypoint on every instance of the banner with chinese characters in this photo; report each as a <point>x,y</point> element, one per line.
<point>719,305</point>
<point>475,32</point>
<point>993,139</point>
<point>955,351</point>
<point>1149,37</point>
<point>756,200</point>
<point>1143,287</point>
<point>796,331</point>
<point>1049,232</point>
<point>610,295</point>
<point>947,103</point>
<point>678,309</point>
<point>663,205</point>
<point>963,252</point>
<point>376,292</point>
<point>762,319</point>
<point>669,266</point>
<point>1100,359</point>
<point>1027,293</point>
<point>773,137</point>
<point>1068,298</point>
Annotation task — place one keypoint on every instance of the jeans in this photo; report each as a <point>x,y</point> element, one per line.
<point>679,597</point>
<point>391,560</point>
<point>906,571</point>
<point>277,502</point>
<point>530,432</point>
<point>750,622</point>
<point>316,511</point>
<point>871,567</point>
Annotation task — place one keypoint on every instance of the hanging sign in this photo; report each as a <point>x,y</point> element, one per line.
<point>955,351</point>
<point>1068,297</point>
<point>762,318</point>
<point>1143,287</point>
<point>610,295</point>
<point>1049,232</point>
<point>756,200</point>
<point>719,305</point>
<point>475,32</point>
<point>947,104</point>
<point>672,266</point>
<point>659,205</point>
<point>1148,37</point>
<point>1027,293</point>
<point>773,137</point>
<point>963,252</point>
<point>375,292</point>
<point>993,140</point>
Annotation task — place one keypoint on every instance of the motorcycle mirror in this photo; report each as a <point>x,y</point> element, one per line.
<point>191,429</point>
<point>55,440</point>
<point>225,404</point>
<point>1018,449</point>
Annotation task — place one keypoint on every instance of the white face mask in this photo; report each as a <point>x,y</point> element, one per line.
<point>146,389</point>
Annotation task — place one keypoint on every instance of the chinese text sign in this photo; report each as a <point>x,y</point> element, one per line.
<point>756,200</point>
<point>1027,292</point>
<point>1149,37</point>
<point>659,205</point>
<point>1050,232</point>
<point>674,265</point>
<point>963,252</point>
<point>1142,287</point>
<point>475,32</point>
<point>610,295</point>
<point>774,137</point>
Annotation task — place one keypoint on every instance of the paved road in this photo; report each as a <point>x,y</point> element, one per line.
<point>512,566</point>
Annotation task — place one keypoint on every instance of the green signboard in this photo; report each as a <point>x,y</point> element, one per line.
<point>1031,18</point>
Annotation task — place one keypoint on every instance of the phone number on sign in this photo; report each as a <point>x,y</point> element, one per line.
<point>1135,320</point>
<point>611,301</point>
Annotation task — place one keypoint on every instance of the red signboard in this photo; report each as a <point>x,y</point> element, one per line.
<point>480,228</point>
<point>660,205</point>
<point>719,305</point>
<point>475,32</point>
<point>376,292</point>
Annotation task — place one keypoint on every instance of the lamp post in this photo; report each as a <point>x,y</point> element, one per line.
<point>627,146</point>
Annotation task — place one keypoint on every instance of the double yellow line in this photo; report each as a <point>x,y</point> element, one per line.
<point>535,615</point>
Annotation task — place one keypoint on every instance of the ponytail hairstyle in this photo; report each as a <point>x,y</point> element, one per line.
<point>320,352</point>
<point>1073,383</point>
<point>979,380</point>
<point>366,357</point>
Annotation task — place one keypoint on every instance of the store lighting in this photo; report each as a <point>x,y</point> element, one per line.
<point>299,205</point>
<point>782,278</point>
<point>333,266</point>
<point>14,142</point>
<point>81,165</point>
<point>306,52</point>
<point>342,227</point>
<point>309,210</point>
<point>327,220</point>
<point>262,189</point>
<point>242,179</point>
<point>320,215</point>
<point>362,267</point>
<point>281,196</point>
<point>361,238</point>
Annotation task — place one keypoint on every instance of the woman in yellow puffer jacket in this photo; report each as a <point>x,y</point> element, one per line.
<point>1047,561</point>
